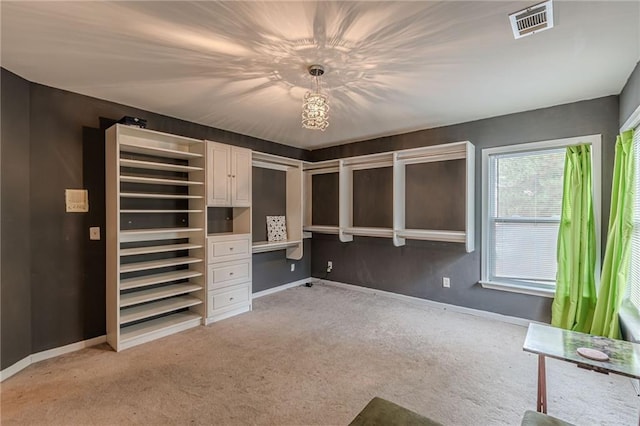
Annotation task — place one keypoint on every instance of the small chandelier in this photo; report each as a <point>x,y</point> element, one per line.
<point>315,107</point>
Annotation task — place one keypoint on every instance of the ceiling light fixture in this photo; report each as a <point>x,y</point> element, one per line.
<point>315,107</point>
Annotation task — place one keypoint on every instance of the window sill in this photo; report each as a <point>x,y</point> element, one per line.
<point>515,288</point>
<point>629,323</point>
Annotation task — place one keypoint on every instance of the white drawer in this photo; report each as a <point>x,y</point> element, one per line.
<point>230,297</point>
<point>222,250</point>
<point>228,273</point>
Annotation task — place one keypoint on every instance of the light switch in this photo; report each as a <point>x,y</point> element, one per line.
<point>94,233</point>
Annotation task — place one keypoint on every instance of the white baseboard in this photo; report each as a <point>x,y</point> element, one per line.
<point>51,353</point>
<point>430,303</point>
<point>283,287</point>
<point>15,368</point>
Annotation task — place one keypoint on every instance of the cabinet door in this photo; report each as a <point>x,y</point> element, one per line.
<point>218,174</point>
<point>241,177</point>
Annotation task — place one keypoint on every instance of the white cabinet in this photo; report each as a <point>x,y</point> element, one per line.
<point>228,175</point>
<point>228,275</point>
<point>240,177</point>
<point>156,262</point>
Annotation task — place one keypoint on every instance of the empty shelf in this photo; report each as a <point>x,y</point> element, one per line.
<point>159,196</point>
<point>431,235</point>
<point>157,231</point>
<point>157,249</point>
<point>160,211</point>
<point>370,232</point>
<point>165,277</point>
<point>156,151</point>
<point>162,263</point>
<point>158,327</point>
<point>154,234</point>
<point>152,309</point>
<point>157,181</point>
<point>322,229</point>
<point>151,165</point>
<point>264,246</point>
<point>152,294</point>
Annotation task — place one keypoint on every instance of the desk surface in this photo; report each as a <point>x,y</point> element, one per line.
<point>624,357</point>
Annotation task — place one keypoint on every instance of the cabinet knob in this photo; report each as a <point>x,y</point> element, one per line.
<point>233,176</point>
<point>230,273</point>
<point>228,175</point>
<point>230,299</point>
<point>231,248</point>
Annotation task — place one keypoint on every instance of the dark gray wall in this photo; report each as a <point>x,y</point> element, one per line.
<point>51,142</point>
<point>630,95</point>
<point>15,254</point>
<point>269,198</point>
<point>272,269</point>
<point>417,269</point>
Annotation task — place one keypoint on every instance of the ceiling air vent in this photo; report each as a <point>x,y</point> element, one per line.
<point>532,19</point>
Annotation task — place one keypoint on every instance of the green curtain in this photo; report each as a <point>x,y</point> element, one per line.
<point>615,268</point>
<point>575,297</point>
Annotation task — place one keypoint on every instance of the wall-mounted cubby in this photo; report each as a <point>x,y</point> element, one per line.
<point>286,173</point>
<point>321,197</point>
<point>424,193</point>
<point>155,234</point>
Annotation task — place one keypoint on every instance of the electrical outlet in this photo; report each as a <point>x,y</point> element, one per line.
<point>293,267</point>
<point>94,233</point>
<point>329,266</point>
<point>445,282</point>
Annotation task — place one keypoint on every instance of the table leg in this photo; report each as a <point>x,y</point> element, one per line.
<point>542,385</point>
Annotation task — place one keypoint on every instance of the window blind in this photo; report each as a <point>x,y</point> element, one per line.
<point>633,289</point>
<point>524,215</point>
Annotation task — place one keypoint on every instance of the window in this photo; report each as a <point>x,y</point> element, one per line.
<point>521,206</point>
<point>633,289</point>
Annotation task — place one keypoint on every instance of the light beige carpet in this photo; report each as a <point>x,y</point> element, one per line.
<point>315,356</point>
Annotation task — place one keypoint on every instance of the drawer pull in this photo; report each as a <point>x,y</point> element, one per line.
<point>230,248</point>
<point>230,273</point>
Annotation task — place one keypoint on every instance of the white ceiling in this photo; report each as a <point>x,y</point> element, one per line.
<point>392,67</point>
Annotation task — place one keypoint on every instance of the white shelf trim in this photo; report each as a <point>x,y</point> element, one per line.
<point>133,251</point>
<point>369,231</point>
<point>152,165</point>
<point>159,196</point>
<point>433,235</point>
<point>160,307</point>
<point>127,146</point>
<point>149,295</point>
<point>158,231</point>
<point>158,181</point>
<point>154,264</point>
<point>165,277</point>
<point>159,327</point>
<point>265,246</point>
<point>159,211</point>
<point>322,229</point>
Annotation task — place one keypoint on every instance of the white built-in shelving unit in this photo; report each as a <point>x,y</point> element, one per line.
<point>398,161</point>
<point>294,209</point>
<point>179,223</point>
<point>155,208</point>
